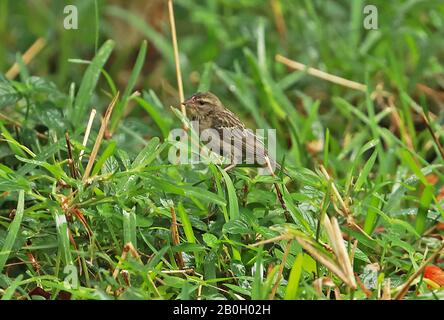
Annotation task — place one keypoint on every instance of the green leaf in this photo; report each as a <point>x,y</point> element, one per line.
<point>55,170</point>
<point>147,155</point>
<point>264,197</point>
<point>211,240</point>
<point>295,212</point>
<point>8,94</point>
<point>237,226</point>
<point>203,194</point>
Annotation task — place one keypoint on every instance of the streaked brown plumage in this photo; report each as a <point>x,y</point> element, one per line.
<point>208,110</point>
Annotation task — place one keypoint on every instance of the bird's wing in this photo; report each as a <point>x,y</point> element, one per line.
<point>242,142</point>
<point>227,119</point>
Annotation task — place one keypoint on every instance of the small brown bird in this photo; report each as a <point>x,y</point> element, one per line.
<point>239,143</point>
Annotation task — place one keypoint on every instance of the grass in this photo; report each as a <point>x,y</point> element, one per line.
<point>364,158</point>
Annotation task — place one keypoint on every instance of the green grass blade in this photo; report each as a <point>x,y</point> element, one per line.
<point>13,230</point>
<point>293,280</point>
<point>326,147</point>
<point>13,144</point>
<point>256,288</point>
<point>9,292</point>
<point>120,107</point>
<point>371,216</point>
<point>362,178</point>
<point>188,229</point>
<point>89,82</point>
<point>233,206</point>
<point>108,152</point>
<point>129,227</point>
<point>186,224</point>
<point>63,236</point>
<point>410,162</point>
<point>424,204</point>
<point>157,116</point>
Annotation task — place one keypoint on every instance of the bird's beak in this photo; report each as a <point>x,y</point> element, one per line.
<point>186,102</point>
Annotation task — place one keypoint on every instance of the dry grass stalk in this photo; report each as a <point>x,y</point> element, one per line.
<point>278,238</point>
<point>126,248</point>
<point>279,20</point>
<point>326,261</point>
<point>32,51</point>
<point>353,252</point>
<point>184,271</point>
<point>281,269</point>
<point>278,190</point>
<point>337,242</point>
<point>176,56</point>
<point>71,163</point>
<point>343,268</point>
<point>386,292</point>
<point>364,289</point>
<point>345,210</point>
<point>405,287</point>
<point>154,286</point>
<point>436,95</point>
<point>176,239</point>
<point>88,131</point>
<point>399,123</point>
<point>319,283</point>
<point>99,138</point>
<point>321,74</point>
<point>433,134</point>
<point>199,290</point>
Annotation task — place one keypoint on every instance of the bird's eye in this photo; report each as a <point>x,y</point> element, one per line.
<point>201,102</point>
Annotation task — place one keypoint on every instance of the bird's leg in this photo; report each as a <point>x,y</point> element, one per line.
<point>229,167</point>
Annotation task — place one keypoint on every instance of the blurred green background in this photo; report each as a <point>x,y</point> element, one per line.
<point>405,49</point>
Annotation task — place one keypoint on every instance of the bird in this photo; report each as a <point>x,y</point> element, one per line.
<point>235,139</point>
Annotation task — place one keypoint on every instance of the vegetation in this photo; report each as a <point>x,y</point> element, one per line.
<point>359,215</point>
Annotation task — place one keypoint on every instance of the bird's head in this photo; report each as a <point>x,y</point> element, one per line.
<point>202,103</point>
